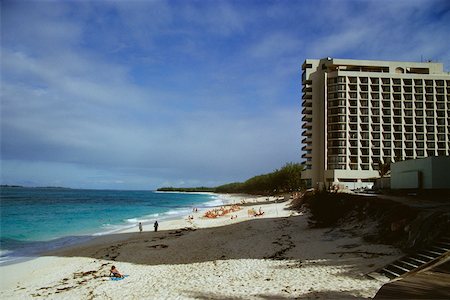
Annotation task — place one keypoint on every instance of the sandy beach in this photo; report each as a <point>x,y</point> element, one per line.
<point>274,255</point>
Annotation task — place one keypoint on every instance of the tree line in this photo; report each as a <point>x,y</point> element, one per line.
<point>286,179</point>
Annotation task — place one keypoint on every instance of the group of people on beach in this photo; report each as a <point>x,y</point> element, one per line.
<point>155,225</point>
<point>222,211</point>
<point>254,213</point>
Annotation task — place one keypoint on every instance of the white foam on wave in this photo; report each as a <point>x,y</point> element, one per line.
<point>215,202</point>
<point>177,211</point>
<point>219,200</point>
<point>4,253</point>
<point>34,249</point>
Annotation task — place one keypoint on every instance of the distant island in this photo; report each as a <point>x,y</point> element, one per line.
<point>34,187</point>
<point>286,179</point>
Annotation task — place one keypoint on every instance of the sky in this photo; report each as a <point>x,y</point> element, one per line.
<point>144,94</point>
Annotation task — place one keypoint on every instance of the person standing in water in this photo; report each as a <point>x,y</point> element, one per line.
<point>140,227</point>
<point>156,226</point>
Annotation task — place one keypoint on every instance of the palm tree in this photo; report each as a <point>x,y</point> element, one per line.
<point>384,168</point>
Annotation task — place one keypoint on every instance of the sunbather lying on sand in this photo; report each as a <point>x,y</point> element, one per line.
<point>252,212</point>
<point>114,272</point>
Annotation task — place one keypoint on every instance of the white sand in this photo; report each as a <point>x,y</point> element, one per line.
<point>272,256</point>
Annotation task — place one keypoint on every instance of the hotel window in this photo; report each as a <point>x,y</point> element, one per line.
<point>374,80</point>
<point>375,95</point>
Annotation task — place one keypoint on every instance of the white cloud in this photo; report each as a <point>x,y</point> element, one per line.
<point>275,45</point>
<point>200,92</point>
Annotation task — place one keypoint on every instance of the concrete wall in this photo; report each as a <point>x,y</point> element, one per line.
<point>441,172</point>
<point>426,173</point>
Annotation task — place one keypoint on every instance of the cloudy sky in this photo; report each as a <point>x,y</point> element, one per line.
<point>142,94</point>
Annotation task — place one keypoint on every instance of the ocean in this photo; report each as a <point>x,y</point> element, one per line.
<point>34,220</point>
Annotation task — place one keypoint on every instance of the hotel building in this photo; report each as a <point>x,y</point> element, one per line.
<point>357,113</point>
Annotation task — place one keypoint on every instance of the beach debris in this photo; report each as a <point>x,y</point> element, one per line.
<point>364,254</point>
<point>159,246</point>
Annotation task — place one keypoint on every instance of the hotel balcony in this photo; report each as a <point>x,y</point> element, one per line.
<point>307,96</point>
<point>307,147</point>
<point>307,140</point>
<point>307,118</point>
<point>307,110</point>
<point>307,89</point>
<point>307,155</point>
<point>307,133</point>
<point>307,125</point>
<point>307,103</point>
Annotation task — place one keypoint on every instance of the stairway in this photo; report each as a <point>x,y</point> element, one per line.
<point>417,260</point>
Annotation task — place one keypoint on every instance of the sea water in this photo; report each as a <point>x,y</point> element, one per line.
<point>39,219</point>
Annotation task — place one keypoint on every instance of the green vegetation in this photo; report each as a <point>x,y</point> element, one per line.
<point>286,179</point>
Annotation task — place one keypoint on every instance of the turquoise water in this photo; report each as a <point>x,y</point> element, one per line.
<point>38,219</point>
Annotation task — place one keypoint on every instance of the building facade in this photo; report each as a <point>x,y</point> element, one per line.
<point>358,113</point>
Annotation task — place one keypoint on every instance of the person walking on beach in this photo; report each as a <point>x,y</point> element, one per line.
<point>140,227</point>
<point>156,226</point>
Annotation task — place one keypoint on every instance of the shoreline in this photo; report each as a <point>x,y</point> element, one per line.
<point>199,221</point>
<point>33,249</point>
<point>273,255</point>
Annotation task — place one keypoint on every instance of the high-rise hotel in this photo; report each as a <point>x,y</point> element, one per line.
<point>357,113</point>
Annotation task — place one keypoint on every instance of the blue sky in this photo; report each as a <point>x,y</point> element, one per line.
<point>142,94</point>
